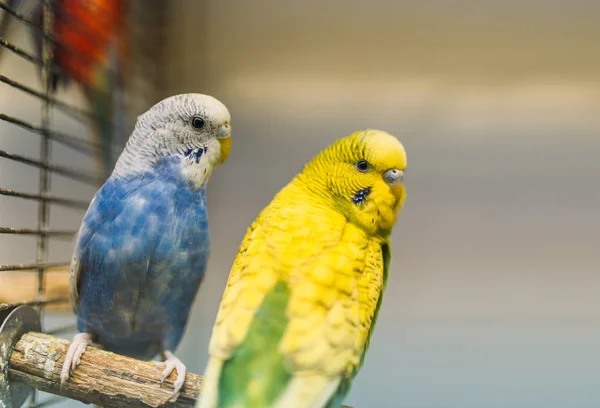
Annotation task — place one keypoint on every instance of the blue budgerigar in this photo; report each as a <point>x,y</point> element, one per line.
<point>143,245</point>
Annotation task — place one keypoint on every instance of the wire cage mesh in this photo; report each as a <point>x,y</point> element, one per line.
<point>48,153</point>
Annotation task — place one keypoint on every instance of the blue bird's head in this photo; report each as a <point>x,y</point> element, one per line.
<point>191,130</point>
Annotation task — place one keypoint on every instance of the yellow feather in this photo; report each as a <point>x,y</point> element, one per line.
<point>308,392</point>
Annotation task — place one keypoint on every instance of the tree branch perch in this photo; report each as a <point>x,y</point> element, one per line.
<point>102,378</point>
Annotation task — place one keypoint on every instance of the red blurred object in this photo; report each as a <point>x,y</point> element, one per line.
<point>84,29</point>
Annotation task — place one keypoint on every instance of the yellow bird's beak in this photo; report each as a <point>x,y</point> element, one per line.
<point>224,138</point>
<point>225,148</point>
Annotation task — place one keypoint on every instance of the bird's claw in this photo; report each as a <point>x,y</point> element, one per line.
<point>173,363</point>
<point>73,356</point>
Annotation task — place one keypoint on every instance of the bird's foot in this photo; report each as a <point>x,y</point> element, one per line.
<point>73,357</point>
<point>173,363</point>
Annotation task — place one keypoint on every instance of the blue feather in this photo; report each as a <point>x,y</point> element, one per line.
<point>142,253</point>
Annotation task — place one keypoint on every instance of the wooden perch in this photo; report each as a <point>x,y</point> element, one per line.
<point>102,378</point>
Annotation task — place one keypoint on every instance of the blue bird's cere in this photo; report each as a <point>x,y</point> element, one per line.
<point>143,245</point>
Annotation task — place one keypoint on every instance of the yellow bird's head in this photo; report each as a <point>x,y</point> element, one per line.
<point>362,176</point>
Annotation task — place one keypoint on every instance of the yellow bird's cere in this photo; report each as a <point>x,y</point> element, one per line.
<point>303,293</point>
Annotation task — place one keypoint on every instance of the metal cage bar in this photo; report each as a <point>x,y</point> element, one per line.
<point>67,202</point>
<point>27,267</point>
<point>73,142</point>
<point>18,51</point>
<point>39,232</point>
<point>36,302</point>
<point>72,111</point>
<point>43,164</point>
<point>44,188</point>
<point>39,266</point>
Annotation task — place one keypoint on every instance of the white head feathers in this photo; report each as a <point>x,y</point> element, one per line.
<point>193,126</point>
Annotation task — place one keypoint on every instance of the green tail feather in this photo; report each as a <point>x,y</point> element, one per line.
<point>255,376</point>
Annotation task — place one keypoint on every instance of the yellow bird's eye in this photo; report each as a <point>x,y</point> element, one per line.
<point>363,166</point>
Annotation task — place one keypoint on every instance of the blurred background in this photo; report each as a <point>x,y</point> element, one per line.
<point>492,298</point>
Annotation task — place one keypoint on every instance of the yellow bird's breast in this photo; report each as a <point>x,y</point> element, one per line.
<point>332,304</point>
<point>334,271</point>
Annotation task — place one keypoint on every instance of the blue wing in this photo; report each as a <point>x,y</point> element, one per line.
<point>139,260</point>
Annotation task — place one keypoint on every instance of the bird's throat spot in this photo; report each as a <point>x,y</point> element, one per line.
<point>195,154</point>
<point>361,196</point>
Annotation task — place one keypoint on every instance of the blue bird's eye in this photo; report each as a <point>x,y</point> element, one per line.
<point>197,122</point>
<point>363,166</point>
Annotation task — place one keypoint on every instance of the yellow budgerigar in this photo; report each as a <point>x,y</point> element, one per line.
<point>305,288</point>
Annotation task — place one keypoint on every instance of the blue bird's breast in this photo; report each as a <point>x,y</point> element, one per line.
<point>142,251</point>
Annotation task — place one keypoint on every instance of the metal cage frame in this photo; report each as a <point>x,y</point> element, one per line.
<point>25,361</point>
